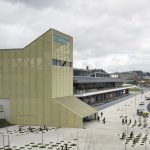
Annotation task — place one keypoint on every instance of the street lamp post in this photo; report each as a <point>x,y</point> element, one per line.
<point>135,99</point>
<point>3,136</point>
<point>42,139</point>
<point>125,148</point>
<point>8,137</point>
<point>141,96</point>
<point>146,132</point>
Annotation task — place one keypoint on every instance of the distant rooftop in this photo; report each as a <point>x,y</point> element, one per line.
<point>90,72</point>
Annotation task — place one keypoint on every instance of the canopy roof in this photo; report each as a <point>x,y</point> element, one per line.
<point>76,106</point>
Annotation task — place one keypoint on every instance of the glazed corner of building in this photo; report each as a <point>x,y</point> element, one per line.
<point>38,81</point>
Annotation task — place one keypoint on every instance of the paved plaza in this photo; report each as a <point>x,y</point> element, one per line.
<point>94,136</point>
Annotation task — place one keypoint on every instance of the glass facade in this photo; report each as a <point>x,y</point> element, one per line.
<point>62,63</point>
<point>61,48</point>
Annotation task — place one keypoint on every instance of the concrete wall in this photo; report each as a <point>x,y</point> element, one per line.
<point>5,103</point>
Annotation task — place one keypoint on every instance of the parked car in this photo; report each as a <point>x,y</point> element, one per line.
<point>140,112</point>
<point>147,98</point>
<point>141,104</point>
<point>145,114</point>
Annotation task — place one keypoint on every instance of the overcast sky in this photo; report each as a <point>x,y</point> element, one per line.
<point>110,34</point>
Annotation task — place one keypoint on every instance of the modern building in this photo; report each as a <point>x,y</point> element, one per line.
<point>37,82</point>
<point>97,86</point>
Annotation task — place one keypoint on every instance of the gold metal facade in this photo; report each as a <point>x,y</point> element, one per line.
<point>33,76</point>
<point>62,73</point>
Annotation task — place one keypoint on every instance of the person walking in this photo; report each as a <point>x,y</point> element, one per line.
<point>123,135</point>
<point>104,120</point>
<point>20,129</point>
<point>123,121</point>
<point>101,114</point>
<point>134,141</point>
<point>131,134</point>
<point>135,122</point>
<point>98,118</point>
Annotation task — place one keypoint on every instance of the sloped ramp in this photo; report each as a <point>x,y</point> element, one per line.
<point>74,110</point>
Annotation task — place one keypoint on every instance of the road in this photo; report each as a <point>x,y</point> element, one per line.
<point>103,106</point>
<point>148,107</point>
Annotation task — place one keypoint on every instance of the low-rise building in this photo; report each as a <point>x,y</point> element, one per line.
<point>97,86</point>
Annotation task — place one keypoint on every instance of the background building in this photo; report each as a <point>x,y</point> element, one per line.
<point>97,86</point>
<point>134,77</point>
<point>37,80</point>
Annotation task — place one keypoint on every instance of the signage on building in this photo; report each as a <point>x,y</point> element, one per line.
<point>61,39</point>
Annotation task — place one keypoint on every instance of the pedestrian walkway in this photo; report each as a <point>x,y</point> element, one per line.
<point>113,102</point>
<point>121,119</point>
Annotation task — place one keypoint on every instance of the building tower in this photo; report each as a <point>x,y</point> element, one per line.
<point>38,81</point>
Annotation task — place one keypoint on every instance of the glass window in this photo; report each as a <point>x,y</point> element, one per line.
<point>70,64</point>
<point>57,62</point>
<point>54,62</point>
<point>67,64</point>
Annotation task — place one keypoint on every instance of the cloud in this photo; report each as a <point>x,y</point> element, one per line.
<point>110,34</point>
<point>38,4</point>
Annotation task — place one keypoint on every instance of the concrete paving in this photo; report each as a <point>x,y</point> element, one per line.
<point>113,102</point>
<point>95,135</point>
